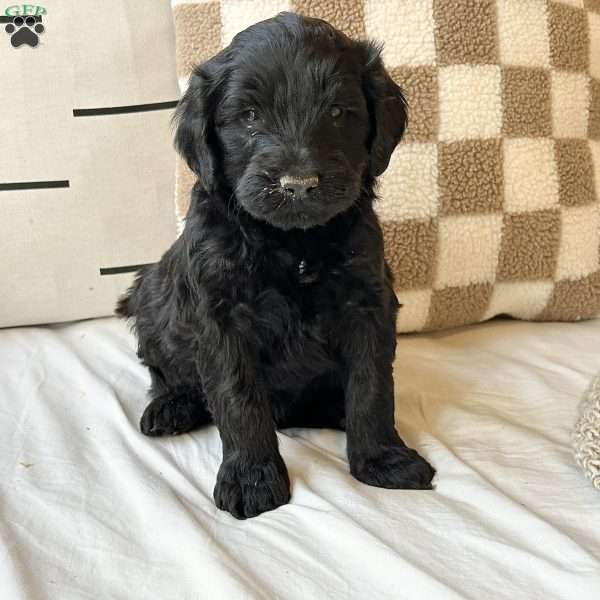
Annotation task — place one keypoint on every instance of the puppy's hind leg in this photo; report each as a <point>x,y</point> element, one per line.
<point>173,410</point>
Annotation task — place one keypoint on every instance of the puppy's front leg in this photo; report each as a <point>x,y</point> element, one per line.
<point>252,478</point>
<point>376,453</point>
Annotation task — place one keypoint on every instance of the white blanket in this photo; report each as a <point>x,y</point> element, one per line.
<point>90,508</point>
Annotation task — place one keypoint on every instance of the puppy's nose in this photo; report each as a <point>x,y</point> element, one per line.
<point>299,186</point>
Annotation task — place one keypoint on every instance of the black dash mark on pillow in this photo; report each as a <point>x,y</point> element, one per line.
<point>119,110</point>
<point>33,185</point>
<point>124,269</point>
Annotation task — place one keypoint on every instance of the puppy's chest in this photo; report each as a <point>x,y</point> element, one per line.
<point>317,288</point>
<point>304,277</point>
<point>307,272</point>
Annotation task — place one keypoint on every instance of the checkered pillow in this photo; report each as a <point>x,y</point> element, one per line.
<point>491,204</point>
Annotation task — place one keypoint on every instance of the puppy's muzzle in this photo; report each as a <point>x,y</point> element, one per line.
<point>299,186</point>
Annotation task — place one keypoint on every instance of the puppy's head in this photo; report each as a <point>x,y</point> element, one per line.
<point>291,120</point>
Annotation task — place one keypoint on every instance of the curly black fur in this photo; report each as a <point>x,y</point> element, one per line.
<point>274,310</point>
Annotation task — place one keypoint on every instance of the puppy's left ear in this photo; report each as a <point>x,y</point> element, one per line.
<point>387,108</point>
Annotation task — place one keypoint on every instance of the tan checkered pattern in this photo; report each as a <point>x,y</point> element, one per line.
<point>491,204</point>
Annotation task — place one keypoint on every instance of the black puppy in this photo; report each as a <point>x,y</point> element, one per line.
<point>275,307</point>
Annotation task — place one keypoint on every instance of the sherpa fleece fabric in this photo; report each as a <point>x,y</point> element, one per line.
<point>586,435</point>
<point>491,203</point>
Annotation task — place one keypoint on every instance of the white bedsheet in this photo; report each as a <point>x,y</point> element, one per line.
<point>90,508</point>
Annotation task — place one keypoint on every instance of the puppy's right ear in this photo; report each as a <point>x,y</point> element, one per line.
<point>194,120</point>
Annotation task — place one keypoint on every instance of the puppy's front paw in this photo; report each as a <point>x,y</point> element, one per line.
<point>247,489</point>
<point>394,467</point>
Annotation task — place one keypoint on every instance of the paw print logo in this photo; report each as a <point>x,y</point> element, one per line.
<point>24,30</point>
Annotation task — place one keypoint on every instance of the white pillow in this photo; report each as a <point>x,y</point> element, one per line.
<point>84,193</point>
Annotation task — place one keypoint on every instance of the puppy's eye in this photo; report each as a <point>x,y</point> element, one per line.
<point>336,111</point>
<point>250,115</point>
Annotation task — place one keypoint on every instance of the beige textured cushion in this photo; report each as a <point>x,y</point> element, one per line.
<point>586,435</point>
<point>491,204</point>
<point>117,211</point>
